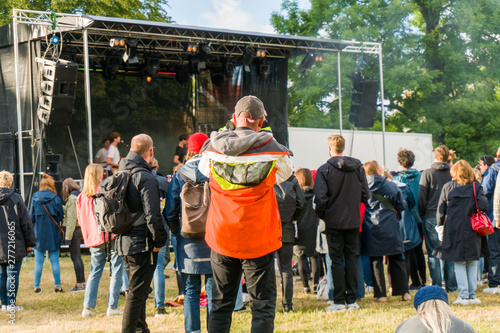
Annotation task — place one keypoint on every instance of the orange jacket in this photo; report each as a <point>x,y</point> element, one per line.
<point>244,223</point>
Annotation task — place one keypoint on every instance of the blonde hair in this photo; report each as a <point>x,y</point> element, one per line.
<point>435,315</point>
<point>189,155</point>
<point>477,175</point>
<point>48,183</point>
<point>462,173</point>
<point>442,153</point>
<point>387,175</point>
<point>6,179</point>
<point>69,185</point>
<point>305,178</point>
<point>371,167</point>
<point>93,176</point>
<point>337,143</point>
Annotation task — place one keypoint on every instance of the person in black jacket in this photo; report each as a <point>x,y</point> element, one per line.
<point>290,204</point>
<point>17,234</point>
<point>339,189</point>
<point>431,184</point>
<point>139,247</point>
<point>460,243</point>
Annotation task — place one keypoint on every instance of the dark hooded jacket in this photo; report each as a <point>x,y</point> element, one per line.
<point>143,197</point>
<point>307,225</point>
<point>339,189</point>
<point>431,184</point>
<point>411,177</point>
<point>193,255</point>
<point>456,205</point>
<point>290,204</point>
<point>48,236</point>
<point>14,221</point>
<point>381,234</point>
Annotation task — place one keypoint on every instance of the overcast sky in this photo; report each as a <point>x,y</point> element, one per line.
<point>249,15</point>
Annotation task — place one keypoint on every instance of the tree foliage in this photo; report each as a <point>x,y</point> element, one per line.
<point>441,66</point>
<point>151,10</point>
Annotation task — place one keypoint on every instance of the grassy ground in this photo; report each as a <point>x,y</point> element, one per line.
<point>50,312</point>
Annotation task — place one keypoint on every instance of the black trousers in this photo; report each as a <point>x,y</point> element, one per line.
<point>74,250</point>
<point>261,285</point>
<point>397,270</point>
<point>417,263</point>
<point>342,245</point>
<point>140,268</point>
<point>285,254</point>
<point>308,266</point>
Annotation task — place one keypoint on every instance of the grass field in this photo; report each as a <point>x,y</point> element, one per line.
<point>50,312</point>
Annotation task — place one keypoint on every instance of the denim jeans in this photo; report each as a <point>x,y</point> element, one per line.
<point>9,282</point>
<point>466,274</point>
<point>239,298</point>
<point>360,291</point>
<point>159,279</point>
<point>54,261</point>
<point>480,269</point>
<point>431,240</point>
<point>192,290</point>
<point>329,276</point>
<point>97,263</point>
<point>124,279</point>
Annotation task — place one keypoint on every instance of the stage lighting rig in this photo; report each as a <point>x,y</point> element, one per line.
<point>130,55</point>
<point>261,53</point>
<point>117,42</point>
<point>228,69</point>
<point>191,48</point>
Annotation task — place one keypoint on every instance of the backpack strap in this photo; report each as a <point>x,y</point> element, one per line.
<point>386,203</point>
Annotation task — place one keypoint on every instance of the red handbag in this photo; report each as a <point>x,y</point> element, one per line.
<point>479,220</point>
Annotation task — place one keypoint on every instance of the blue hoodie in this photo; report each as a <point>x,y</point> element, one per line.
<point>411,177</point>
<point>48,236</point>
<point>192,255</point>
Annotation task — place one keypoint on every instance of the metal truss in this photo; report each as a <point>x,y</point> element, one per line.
<point>364,47</point>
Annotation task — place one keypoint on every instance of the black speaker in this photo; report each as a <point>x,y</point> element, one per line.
<point>363,102</point>
<point>54,162</point>
<point>58,87</point>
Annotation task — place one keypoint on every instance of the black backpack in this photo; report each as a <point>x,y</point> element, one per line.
<point>110,208</point>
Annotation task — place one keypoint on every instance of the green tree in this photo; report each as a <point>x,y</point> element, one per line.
<point>441,66</point>
<point>151,10</point>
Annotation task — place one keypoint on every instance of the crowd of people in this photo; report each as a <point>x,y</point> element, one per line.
<point>234,206</point>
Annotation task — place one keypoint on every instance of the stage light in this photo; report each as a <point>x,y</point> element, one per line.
<point>307,63</point>
<point>112,66</point>
<point>247,58</point>
<point>130,55</point>
<point>319,58</point>
<point>191,47</point>
<point>117,42</point>
<point>149,78</point>
<point>261,53</point>
<point>152,64</point>
<point>228,69</point>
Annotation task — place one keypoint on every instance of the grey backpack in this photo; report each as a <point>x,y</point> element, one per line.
<point>195,201</point>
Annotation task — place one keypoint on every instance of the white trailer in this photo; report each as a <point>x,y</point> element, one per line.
<point>310,147</point>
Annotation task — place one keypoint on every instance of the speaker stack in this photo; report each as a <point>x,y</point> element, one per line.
<point>363,101</point>
<point>58,87</point>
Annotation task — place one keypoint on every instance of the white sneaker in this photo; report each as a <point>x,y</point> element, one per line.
<point>114,312</point>
<point>352,306</point>
<point>474,301</point>
<point>4,307</point>
<point>492,290</point>
<point>369,289</point>
<point>336,307</point>
<point>329,302</point>
<point>87,313</point>
<point>11,308</point>
<point>461,301</point>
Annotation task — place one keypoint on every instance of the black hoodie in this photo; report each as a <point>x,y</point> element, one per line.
<point>429,190</point>
<point>143,196</point>
<point>14,218</point>
<point>339,189</point>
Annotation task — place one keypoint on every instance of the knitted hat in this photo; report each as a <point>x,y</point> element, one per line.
<point>253,106</point>
<point>428,293</point>
<point>196,141</point>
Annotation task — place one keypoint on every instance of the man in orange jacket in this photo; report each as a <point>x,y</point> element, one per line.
<point>243,224</point>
